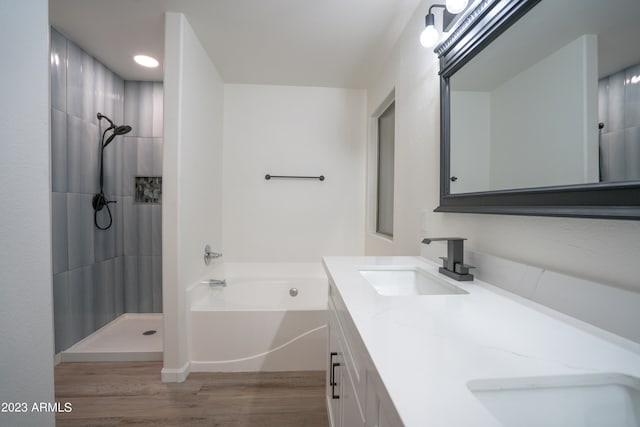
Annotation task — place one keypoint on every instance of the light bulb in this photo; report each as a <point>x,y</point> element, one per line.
<point>456,6</point>
<point>429,36</point>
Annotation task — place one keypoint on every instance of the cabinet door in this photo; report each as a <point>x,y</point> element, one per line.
<point>378,412</point>
<point>342,401</point>
<point>372,405</point>
<point>383,420</point>
<point>334,383</point>
<point>351,415</point>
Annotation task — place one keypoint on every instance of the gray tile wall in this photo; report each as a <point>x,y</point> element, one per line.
<point>619,110</point>
<point>99,275</point>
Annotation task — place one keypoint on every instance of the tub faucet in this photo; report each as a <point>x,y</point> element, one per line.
<point>453,265</point>
<point>214,283</point>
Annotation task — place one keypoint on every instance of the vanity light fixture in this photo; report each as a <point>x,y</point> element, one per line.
<point>430,34</point>
<point>456,6</point>
<point>146,61</point>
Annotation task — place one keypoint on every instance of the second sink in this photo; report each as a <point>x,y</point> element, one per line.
<point>404,281</point>
<point>562,401</point>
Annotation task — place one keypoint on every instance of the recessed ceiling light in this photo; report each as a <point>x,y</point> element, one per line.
<point>146,61</point>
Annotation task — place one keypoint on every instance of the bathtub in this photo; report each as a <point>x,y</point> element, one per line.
<point>269,317</point>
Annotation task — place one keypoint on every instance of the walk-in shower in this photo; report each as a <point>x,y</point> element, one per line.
<point>99,200</point>
<point>106,143</point>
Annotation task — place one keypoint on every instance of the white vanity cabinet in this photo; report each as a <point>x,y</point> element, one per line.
<point>466,359</point>
<point>355,394</point>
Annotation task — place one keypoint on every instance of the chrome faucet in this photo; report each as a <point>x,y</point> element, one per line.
<point>453,265</point>
<point>215,283</point>
<point>210,255</point>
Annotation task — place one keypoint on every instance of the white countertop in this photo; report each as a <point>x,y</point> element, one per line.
<point>427,348</point>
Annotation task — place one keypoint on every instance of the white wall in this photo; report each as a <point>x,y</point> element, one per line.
<point>191,217</point>
<point>286,130</point>
<point>412,71</point>
<point>600,250</point>
<point>26,305</point>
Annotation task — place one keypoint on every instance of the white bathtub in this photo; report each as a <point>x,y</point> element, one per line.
<point>254,324</point>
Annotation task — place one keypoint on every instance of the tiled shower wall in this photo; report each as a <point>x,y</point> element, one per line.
<point>619,110</point>
<point>142,156</point>
<point>99,275</point>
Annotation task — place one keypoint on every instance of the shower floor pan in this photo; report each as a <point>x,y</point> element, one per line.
<point>128,338</point>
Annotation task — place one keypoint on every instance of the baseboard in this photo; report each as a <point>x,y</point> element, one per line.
<point>170,375</point>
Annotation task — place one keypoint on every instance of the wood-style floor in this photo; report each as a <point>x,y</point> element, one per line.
<point>114,394</point>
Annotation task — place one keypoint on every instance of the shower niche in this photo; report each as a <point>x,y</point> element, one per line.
<point>148,189</point>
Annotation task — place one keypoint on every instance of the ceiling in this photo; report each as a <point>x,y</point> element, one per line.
<point>332,43</point>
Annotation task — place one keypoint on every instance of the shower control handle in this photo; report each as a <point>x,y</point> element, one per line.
<point>99,201</point>
<point>210,255</point>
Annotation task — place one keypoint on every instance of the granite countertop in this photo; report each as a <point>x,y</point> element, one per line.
<point>427,348</point>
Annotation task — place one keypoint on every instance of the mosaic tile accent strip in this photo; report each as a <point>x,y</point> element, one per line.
<point>148,189</point>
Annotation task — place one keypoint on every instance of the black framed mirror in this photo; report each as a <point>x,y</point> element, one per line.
<point>501,47</point>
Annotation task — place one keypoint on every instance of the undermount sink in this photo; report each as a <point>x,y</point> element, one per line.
<point>403,281</point>
<point>562,401</point>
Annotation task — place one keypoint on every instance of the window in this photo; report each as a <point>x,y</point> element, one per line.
<point>386,148</point>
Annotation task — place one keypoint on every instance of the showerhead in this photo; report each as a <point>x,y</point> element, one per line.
<point>99,200</point>
<point>117,130</point>
<point>121,130</point>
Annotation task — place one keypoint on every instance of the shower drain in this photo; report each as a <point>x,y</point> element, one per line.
<point>149,332</point>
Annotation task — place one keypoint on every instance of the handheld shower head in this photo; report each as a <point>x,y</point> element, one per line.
<point>121,130</point>
<point>117,130</point>
<point>99,200</point>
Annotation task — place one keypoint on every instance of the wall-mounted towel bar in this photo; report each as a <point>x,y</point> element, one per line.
<point>267,176</point>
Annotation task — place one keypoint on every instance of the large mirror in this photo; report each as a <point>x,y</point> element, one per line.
<point>540,103</point>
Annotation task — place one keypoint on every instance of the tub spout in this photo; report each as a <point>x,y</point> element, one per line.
<point>215,283</point>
